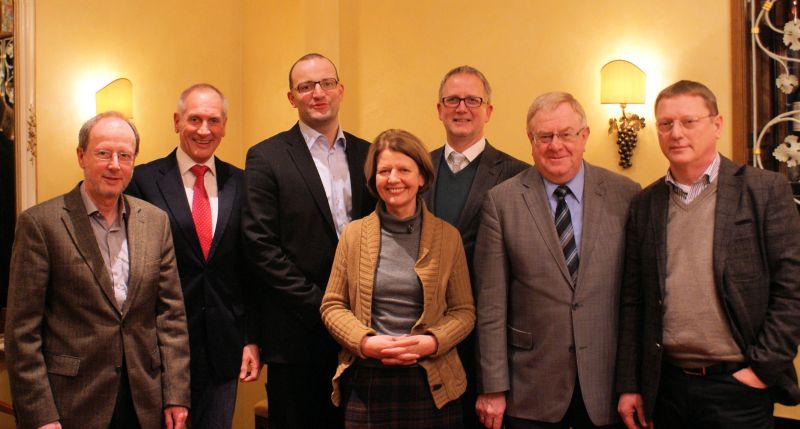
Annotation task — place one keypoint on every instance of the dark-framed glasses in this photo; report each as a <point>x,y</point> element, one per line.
<point>470,101</point>
<point>308,86</point>
<point>565,137</point>
<point>123,158</point>
<point>688,123</point>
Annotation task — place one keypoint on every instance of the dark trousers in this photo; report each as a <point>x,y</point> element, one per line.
<point>713,401</point>
<point>299,397</point>
<point>466,352</point>
<point>576,417</point>
<point>213,399</point>
<point>124,416</point>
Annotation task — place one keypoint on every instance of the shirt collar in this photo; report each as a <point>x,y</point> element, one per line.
<point>311,135</point>
<point>471,152</point>
<point>185,162</point>
<point>709,175</point>
<point>91,207</point>
<point>575,185</point>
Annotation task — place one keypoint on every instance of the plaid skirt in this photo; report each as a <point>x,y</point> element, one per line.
<point>394,398</point>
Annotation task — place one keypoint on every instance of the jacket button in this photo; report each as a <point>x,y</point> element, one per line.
<point>658,346</point>
<point>572,349</point>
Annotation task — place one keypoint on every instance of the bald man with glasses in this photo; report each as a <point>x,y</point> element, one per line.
<point>302,187</point>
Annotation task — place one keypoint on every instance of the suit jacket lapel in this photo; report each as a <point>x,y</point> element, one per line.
<point>80,230</point>
<point>226,194</point>
<point>485,179</point>
<point>171,186</point>
<point>659,213</point>
<point>136,255</point>
<point>594,221</point>
<point>299,153</point>
<point>355,164</point>
<point>539,208</point>
<point>430,194</point>
<point>729,186</point>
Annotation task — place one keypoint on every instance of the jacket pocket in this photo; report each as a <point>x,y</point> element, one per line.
<point>520,339</point>
<point>62,364</point>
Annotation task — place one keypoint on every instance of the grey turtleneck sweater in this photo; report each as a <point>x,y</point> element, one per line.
<point>397,294</point>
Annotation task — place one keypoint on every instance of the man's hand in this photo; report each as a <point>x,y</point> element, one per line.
<point>175,417</point>
<point>631,409</point>
<point>251,365</point>
<point>51,425</point>
<point>490,408</point>
<point>749,378</point>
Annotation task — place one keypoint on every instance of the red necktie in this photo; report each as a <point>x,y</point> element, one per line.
<point>201,209</point>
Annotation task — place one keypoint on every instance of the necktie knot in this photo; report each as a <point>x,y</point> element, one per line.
<point>561,192</point>
<point>199,170</point>
<point>457,161</point>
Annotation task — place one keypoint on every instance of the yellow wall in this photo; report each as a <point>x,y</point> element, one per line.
<point>396,56</point>
<point>161,46</point>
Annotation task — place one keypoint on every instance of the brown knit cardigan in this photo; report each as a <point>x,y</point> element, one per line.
<point>448,309</point>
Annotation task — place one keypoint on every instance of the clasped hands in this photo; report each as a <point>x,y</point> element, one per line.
<point>398,350</point>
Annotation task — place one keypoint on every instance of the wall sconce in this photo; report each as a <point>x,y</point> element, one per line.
<point>117,96</point>
<point>621,82</point>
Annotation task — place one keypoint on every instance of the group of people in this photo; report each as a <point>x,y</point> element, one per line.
<point>388,287</point>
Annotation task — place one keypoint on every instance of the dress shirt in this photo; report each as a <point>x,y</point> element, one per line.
<point>574,201</point>
<point>185,163</point>
<point>471,152</point>
<point>331,163</point>
<point>687,193</point>
<point>113,243</point>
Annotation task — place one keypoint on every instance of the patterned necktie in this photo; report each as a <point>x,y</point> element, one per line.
<point>566,235</point>
<point>456,161</point>
<point>201,209</point>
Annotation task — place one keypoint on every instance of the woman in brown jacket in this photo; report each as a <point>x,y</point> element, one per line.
<point>399,300</point>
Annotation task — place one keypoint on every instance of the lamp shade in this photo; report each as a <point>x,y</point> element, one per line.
<point>117,96</point>
<point>621,82</point>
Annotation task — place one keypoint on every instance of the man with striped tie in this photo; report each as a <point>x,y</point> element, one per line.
<point>548,265</point>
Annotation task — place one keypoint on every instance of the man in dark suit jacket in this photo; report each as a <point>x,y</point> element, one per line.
<point>710,312</point>
<point>548,263</point>
<point>96,334</point>
<point>212,268</point>
<point>302,187</point>
<point>459,187</point>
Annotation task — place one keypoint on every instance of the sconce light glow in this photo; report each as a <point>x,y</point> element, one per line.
<point>118,96</point>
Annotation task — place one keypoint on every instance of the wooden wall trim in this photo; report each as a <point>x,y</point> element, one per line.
<point>740,66</point>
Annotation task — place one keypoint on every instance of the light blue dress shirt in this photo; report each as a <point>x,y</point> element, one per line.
<point>331,163</point>
<point>574,201</point>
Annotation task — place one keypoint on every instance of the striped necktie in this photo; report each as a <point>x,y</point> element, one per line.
<point>566,235</point>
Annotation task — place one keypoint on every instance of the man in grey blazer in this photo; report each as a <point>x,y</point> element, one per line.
<point>96,331</point>
<point>460,185</point>
<point>548,263</point>
<point>710,310</point>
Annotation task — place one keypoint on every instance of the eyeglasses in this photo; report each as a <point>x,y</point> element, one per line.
<point>565,137</point>
<point>454,101</point>
<point>308,86</point>
<point>688,123</point>
<point>123,158</point>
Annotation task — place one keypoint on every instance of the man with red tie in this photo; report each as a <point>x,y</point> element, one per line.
<point>201,194</point>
